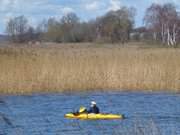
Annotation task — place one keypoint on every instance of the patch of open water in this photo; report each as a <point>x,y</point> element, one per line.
<point>149,113</point>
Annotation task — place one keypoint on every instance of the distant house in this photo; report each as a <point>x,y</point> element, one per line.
<point>138,33</point>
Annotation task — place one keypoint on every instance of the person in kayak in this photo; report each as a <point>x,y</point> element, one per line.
<point>93,108</point>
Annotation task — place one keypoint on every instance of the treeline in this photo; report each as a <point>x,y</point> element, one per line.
<point>162,25</point>
<point>114,26</point>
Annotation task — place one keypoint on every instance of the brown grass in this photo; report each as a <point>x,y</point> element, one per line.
<point>50,68</point>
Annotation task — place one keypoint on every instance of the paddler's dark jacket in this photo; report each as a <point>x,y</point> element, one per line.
<point>94,109</point>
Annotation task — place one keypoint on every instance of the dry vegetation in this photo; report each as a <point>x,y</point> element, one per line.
<point>50,68</point>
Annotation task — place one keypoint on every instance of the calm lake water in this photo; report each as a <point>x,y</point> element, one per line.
<point>43,114</point>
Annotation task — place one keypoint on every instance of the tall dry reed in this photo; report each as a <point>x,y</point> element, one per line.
<point>50,68</point>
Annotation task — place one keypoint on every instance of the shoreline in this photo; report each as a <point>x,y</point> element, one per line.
<point>87,92</point>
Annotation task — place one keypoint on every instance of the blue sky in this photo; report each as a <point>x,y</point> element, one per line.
<point>37,10</point>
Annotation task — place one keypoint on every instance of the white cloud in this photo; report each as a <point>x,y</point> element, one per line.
<point>92,6</point>
<point>32,7</point>
<point>114,5</point>
<point>34,10</point>
<point>165,1</point>
<point>67,10</point>
<point>6,3</point>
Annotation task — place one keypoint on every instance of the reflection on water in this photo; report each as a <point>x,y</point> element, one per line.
<point>146,113</point>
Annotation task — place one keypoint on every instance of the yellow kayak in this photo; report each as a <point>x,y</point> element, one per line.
<point>92,116</point>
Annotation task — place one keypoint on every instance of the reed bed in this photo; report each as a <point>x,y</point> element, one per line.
<point>75,67</point>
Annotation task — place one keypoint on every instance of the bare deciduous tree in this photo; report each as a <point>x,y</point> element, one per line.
<point>163,20</point>
<point>17,28</point>
<point>115,26</point>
